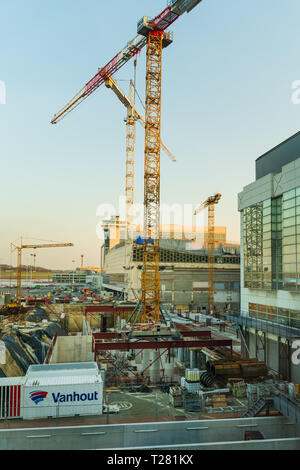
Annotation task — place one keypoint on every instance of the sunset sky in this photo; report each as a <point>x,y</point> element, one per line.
<point>226,99</point>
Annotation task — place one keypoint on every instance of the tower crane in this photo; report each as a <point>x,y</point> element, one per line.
<point>210,204</point>
<point>133,115</point>
<point>19,265</point>
<point>151,32</point>
<point>161,22</point>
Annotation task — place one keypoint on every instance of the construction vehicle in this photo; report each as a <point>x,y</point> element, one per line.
<point>19,264</point>
<point>210,204</point>
<point>151,32</point>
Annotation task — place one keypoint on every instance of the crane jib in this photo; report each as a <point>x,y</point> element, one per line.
<point>165,19</point>
<point>132,49</point>
<point>161,22</point>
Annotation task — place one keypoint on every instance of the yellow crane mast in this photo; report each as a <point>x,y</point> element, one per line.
<point>151,32</point>
<point>210,204</point>
<point>150,274</point>
<point>133,115</point>
<point>19,262</point>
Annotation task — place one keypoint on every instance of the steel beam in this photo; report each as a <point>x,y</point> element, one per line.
<point>108,308</point>
<point>127,346</point>
<point>187,334</point>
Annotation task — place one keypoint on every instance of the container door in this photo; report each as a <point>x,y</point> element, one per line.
<point>4,401</point>
<point>14,401</point>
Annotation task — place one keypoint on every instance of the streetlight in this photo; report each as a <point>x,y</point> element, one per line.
<point>73,261</point>
<point>31,264</point>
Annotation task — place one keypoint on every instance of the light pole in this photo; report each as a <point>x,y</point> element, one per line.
<point>73,261</point>
<point>31,266</point>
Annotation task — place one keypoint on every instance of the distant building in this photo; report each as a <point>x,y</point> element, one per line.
<point>183,265</point>
<point>77,276</point>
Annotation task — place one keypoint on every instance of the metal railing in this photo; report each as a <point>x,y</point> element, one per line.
<point>283,331</point>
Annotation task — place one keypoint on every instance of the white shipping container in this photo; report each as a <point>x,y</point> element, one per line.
<point>54,390</point>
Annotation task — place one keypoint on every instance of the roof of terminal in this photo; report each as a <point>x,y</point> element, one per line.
<point>274,159</point>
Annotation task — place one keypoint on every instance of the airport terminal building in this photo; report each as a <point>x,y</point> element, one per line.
<point>270,259</point>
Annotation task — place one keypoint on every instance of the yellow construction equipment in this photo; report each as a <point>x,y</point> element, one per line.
<point>150,274</point>
<point>210,204</point>
<point>151,32</point>
<point>19,263</point>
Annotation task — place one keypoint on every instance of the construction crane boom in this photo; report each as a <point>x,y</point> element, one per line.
<point>19,263</point>
<point>125,100</point>
<point>210,200</point>
<point>49,245</point>
<point>151,32</point>
<point>161,22</point>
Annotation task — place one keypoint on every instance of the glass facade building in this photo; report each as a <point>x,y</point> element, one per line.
<point>271,243</point>
<point>269,318</point>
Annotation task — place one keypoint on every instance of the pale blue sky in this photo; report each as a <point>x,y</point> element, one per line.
<point>226,100</point>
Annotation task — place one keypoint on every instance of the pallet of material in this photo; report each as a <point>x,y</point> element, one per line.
<point>176,401</point>
<point>220,405</point>
<point>219,401</point>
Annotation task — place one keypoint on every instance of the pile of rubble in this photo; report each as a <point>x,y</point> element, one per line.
<point>25,340</point>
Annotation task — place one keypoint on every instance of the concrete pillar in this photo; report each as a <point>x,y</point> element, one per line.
<point>146,361</point>
<point>186,355</point>
<point>202,361</point>
<point>180,354</point>
<point>173,293</point>
<point>155,367</point>
<point>138,356</point>
<point>192,359</point>
<point>168,366</point>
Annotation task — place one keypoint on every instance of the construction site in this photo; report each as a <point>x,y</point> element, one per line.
<point>156,338</point>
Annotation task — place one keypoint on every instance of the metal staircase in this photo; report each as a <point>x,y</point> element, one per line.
<point>257,407</point>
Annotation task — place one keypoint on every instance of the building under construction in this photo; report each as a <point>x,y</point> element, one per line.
<point>183,267</point>
<point>164,357</point>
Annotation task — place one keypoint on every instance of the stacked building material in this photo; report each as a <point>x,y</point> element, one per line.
<point>192,401</point>
<point>219,401</point>
<point>26,340</point>
<point>239,368</point>
<point>191,387</point>
<point>175,397</point>
<point>192,375</point>
<point>239,389</point>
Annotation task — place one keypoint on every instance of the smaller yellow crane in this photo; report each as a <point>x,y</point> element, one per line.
<point>19,264</point>
<point>210,204</point>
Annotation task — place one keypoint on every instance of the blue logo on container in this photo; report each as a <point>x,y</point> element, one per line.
<point>38,396</point>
